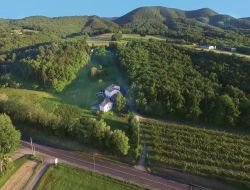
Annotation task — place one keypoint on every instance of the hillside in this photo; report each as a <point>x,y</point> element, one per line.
<point>197,26</point>
<point>171,17</point>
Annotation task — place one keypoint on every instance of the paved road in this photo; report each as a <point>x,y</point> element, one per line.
<point>107,167</point>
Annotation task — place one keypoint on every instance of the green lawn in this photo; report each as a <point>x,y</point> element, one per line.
<point>16,165</point>
<point>63,177</point>
<point>82,91</point>
<point>50,102</point>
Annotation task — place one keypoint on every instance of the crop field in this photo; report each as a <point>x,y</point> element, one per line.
<point>20,179</point>
<point>105,39</point>
<point>196,150</point>
<point>63,177</point>
<point>16,165</point>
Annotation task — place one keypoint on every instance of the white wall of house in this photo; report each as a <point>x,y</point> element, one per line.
<point>107,107</point>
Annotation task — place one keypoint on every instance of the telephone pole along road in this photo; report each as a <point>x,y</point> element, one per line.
<point>118,170</point>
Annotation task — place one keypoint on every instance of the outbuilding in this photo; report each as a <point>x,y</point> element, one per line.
<point>112,90</point>
<point>106,105</point>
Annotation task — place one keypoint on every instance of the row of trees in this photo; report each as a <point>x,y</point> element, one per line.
<point>9,141</point>
<point>134,136</point>
<point>67,121</point>
<point>168,80</point>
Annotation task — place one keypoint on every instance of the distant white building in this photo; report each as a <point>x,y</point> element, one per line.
<point>207,47</point>
<point>106,105</point>
<point>112,90</point>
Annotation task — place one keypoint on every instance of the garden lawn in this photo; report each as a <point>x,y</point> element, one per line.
<point>51,102</point>
<point>82,91</point>
<point>63,177</point>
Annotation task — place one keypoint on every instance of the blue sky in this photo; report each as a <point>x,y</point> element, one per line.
<point>109,8</point>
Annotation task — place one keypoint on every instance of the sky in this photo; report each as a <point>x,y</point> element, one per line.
<point>113,8</point>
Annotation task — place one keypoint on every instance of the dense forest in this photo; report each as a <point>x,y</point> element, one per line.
<point>52,64</point>
<point>187,85</point>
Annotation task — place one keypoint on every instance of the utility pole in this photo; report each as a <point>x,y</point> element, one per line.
<point>94,160</point>
<point>32,147</point>
<point>31,144</point>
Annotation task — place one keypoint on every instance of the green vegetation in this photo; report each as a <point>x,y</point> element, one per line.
<point>198,26</point>
<point>47,113</point>
<point>134,136</point>
<point>120,103</point>
<point>116,36</point>
<point>198,151</point>
<point>82,91</point>
<point>13,167</point>
<point>10,139</point>
<point>54,64</point>
<point>67,177</point>
<point>187,84</point>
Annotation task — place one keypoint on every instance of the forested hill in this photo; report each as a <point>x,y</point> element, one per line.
<point>171,17</point>
<point>186,83</point>
<point>198,26</point>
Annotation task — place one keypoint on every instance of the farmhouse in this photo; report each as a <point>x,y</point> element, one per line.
<point>106,105</point>
<point>207,47</point>
<point>112,90</point>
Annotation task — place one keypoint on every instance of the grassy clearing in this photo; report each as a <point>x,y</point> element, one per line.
<point>105,39</point>
<point>51,102</point>
<point>63,177</point>
<point>82,91</point>
<point>198,151</point>
<point>16,165</point>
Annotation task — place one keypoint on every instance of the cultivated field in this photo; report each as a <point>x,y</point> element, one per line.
<point>63,177</point>
<point>20,177</point>
<point>198,151</point>
<point>105,39</point>
<point>16,165</point>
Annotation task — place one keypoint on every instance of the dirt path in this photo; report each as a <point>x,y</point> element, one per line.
<point>21,177</point>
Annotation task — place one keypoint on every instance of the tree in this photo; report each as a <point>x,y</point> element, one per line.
<point>226,113</point>
<point>9,138</point>
<point>116,36</point>
<point>134,135</point>
<point>120,103</point>
<point>120,142</point>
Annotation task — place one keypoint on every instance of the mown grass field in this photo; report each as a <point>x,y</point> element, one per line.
<point>82,91</point>
<point>63,177</point>
<point>16,165</point>
<point>105,39</point>
<point>50,103</point>
<point>196,150</point>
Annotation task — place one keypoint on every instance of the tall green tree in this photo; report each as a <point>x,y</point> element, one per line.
<point>226,112</point>
<point>9,138</point>
<point>120,142</point>
<point>120,103</point>
<point>134,135</point>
